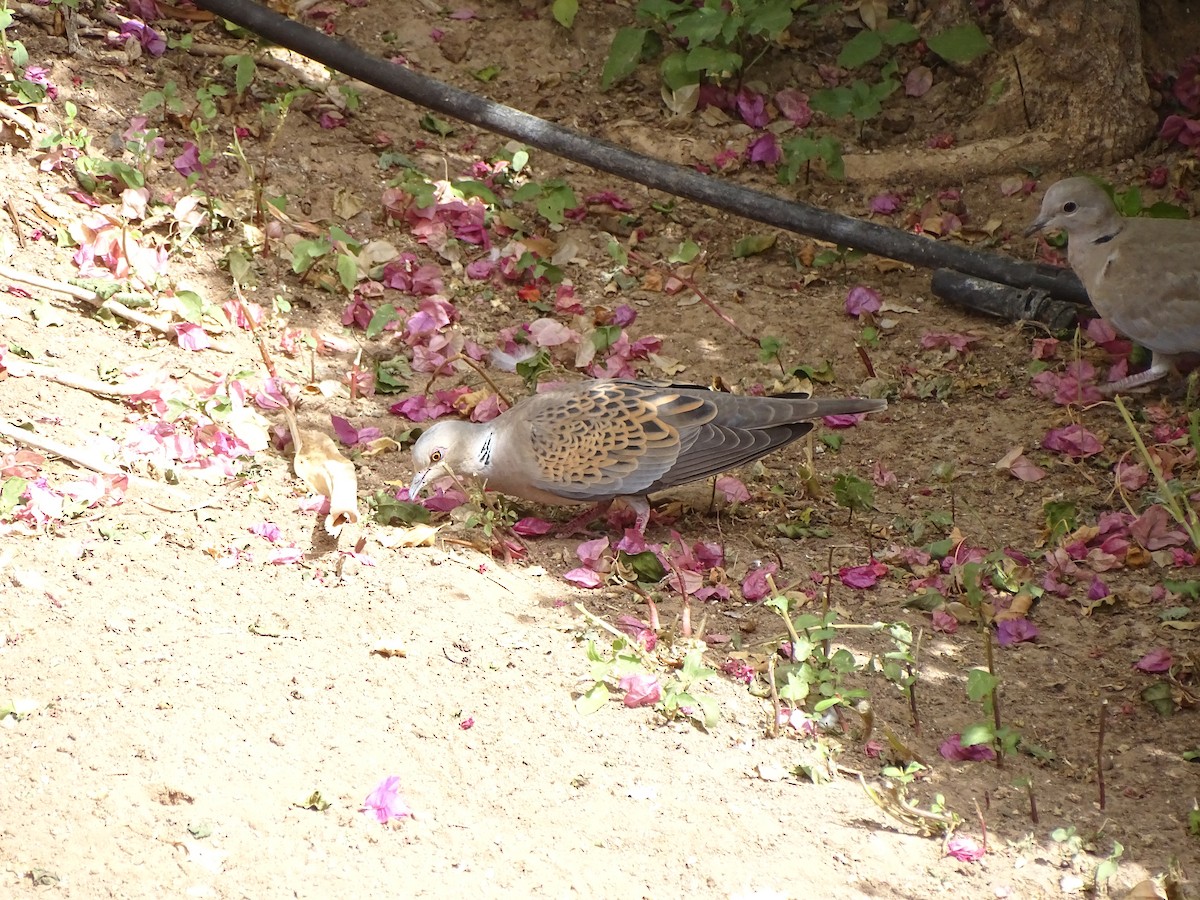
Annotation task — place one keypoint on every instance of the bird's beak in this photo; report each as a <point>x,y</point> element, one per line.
<point>417,485</point>
<point>1035,227</point>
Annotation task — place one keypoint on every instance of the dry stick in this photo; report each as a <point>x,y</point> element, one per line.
<point>645,657</point>
<point>19,369</point>
<point>16,221</point>
<point>912,687</point>
<point>690,283</point>
<point>72,454</point>
<point>1033,813</point>
<point>773,731</point>
<point>995,696</point>
<point>827,644</point>
<point>262,345</point>
<point>866,360</point>
<point>982,826</point>
<point>87,296</point>
<point>21,120</point>
<point>478,371</point>
<point>1100,752</point>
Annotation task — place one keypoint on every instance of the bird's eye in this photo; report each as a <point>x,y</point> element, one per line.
<point>435,456</point>
<point>1070,206</point>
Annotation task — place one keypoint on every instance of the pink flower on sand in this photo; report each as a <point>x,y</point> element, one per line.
<point>385,802</point>
<point>641,690</point>
<point>965,849</point>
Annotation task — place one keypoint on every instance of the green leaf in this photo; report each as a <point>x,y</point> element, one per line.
<point>1189,589</point>
<point>487,73</point>
<point>434,125</point>
<point>314,801</point>
<point>717,63</point>
<point>393,512</point>
<point>768,348</point>
<point>979,733</point>
<point>754,244</point>
<point>645,566</point>
<point>853,493</point>
<point>980,684</point>
<point>770,19</point>
<point>1164,210</point>
<point>860,50</point>
<point>959,44</point>
<point>1060,519</point>
<point>898,31</point>
<point>10,494</point>
<point>593,700</point>
<point>347,269</point>
<point>833,102</point>
<point>564,12</point>
<point>391,376</point>
<point>624,54</point>
<point>687,251</point>
<point>1158,695</point>
<point>243,71</point>
<point>531,370</point>
<point>191,305</point>
<point>675,72</point>
<point>383,317</point>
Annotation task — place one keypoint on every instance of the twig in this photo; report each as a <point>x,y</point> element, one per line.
<point>21,369</point>
<point>645,657</point>
<point>72,454</point>
<point>21,120</point>
<point>1188,519</point>
<point>16,221</point>
<point>268,363</point>
<point>912,687</point>
<point>827,644</point>
<point>1033,811</point>
<point>866,360</point>
<point>995,696</point>
<point>773,731</point>
<point>982,826</point>
<point>92,297</point>
<point>1100,752</point>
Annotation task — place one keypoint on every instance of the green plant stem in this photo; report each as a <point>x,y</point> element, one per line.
<point>645,657</point>
<point>995,697</point>
<point>1189,520</point>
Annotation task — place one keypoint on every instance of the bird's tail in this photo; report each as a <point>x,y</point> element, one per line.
<point>829,406</point>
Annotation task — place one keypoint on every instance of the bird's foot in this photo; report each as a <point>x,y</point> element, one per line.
<point>578,525</point>
<point>1151,375</point>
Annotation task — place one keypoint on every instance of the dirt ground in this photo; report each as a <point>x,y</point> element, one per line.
<point>175,686</point>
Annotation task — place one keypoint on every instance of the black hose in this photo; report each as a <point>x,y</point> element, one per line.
<point>609,157</point>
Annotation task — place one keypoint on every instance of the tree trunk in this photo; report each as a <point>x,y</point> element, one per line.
<point>1082,70</point>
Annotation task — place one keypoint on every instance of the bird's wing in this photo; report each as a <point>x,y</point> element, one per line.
<point>610,438</point>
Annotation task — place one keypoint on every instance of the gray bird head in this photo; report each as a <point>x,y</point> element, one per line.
<point>451,447</point>
<point>1076,205</point>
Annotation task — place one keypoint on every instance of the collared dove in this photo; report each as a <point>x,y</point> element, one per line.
<point>1142,275</point>
<point>595,441</point>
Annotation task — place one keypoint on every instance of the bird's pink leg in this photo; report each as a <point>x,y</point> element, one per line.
<point>578,525</point>
<point>641,507</point>
<point>1160,367</point>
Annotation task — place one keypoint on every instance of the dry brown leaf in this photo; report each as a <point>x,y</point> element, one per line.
<point>412,536</point>
<point>321,466</point>
<point>389,646</point>
<point>1137,557</point>
<point>1018,609</point>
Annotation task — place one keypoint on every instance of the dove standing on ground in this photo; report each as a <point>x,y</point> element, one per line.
<point>599,440</point>
<point>1142,275</point>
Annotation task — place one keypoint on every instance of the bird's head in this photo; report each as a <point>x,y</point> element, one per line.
<point>448,448</point>
<point>1077,205</point>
